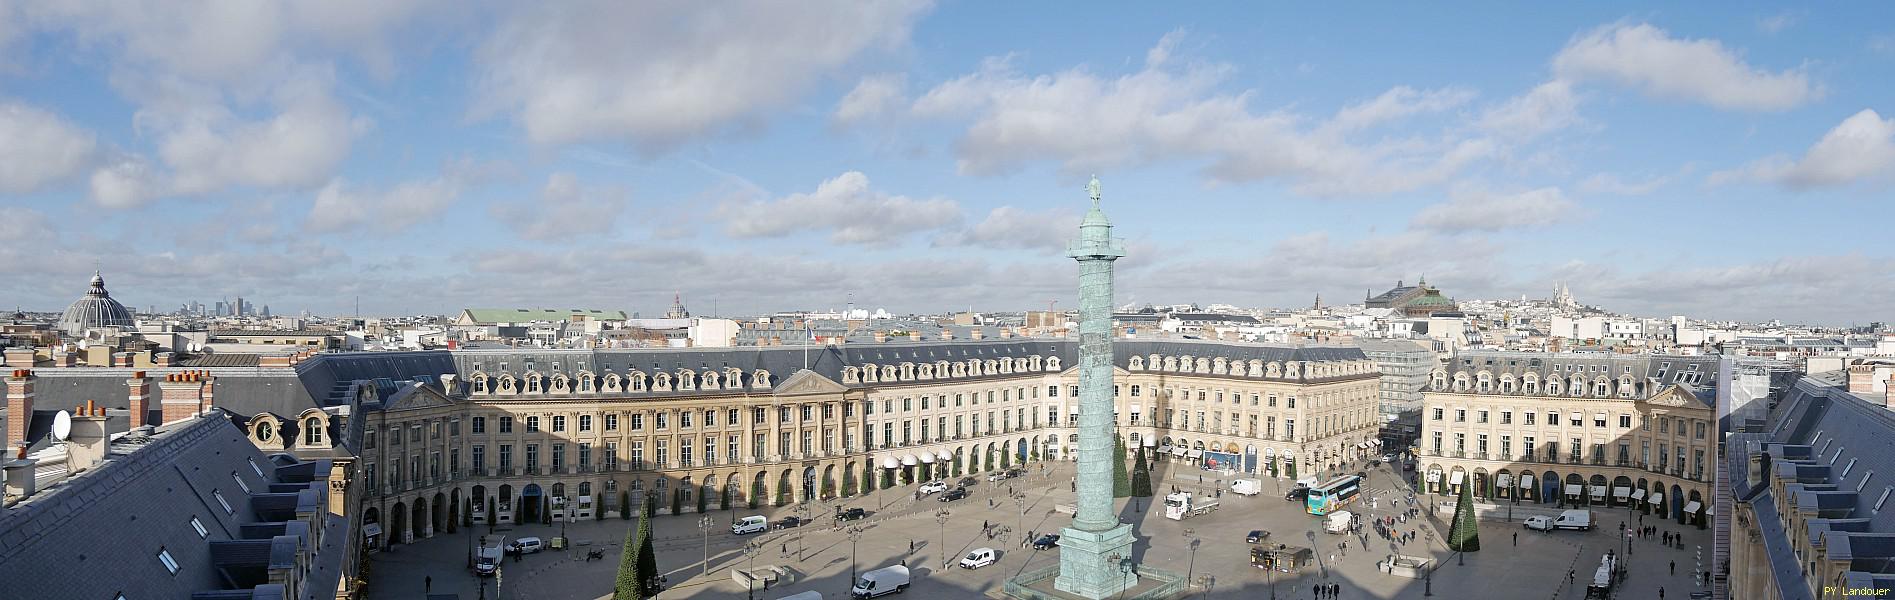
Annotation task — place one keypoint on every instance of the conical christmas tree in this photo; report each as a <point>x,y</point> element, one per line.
<point>1141,478</point>
<point>626,586</point>
<point>1464,534</point>
<point>647,556</point>
<point>1121,484</point>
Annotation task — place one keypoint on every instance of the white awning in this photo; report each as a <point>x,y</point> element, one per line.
<point>1376,442</point>
<point>927,457</point>
<point>1526,481</point>
<point>1434,477</point>
<point>372,529</point>
<point>1196,453</point>
<point>1165,448</point>
<point>1621,492</point>
<point>889,462</point>
<point>1179,451</point>
<point>1693,506</point>
<point>1598,492</point>
<point>1638,494</point>
<point>1150,441</point>
<point>1503,479</point>
<point>1269,452</point>
<point>585,499</point>
<point>944,456</point>
<point>1658,499</point>
<point>909,460</point>
<point>1288,453</point>
<point>1572,490</point>
<point>1362,445</point>
<point>1455,477</point>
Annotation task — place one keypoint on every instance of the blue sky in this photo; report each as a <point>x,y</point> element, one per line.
<point>1731,161</point>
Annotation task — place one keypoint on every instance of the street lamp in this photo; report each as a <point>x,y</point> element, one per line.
<point>1124,565</point>
<point>751,549</point>
<point>704,525</point>
<point>1020,521</point>
<point>855,535</point>
<point>1192,565</point>
<point>802,513</point>
<point>941,516</point>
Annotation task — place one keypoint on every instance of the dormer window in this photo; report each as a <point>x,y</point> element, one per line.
<point>240,482</point>
<point>312,431</point>
<point>219,495</point>
<point>170,565</point>
<point>198,526</point>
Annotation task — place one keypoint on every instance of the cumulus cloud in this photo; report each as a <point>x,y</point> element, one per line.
<point>564,209</point>
<point>657,73</point>
<point>38,148</point>
<point>1695,70</point>
<point>1827,289</point>
<point>1009,227</point>
<point>1474,209</point>
<point>1173,110</point>
<point>1611,183</point>
<point>1548,107</point>
<point>845,206</point>
<point>127,182</point>
<point>873,97</point>
<point>1861,148</point>
<point>340,206</point>
<point>299,146</point>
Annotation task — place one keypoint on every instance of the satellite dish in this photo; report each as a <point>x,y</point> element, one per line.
<point>62,425</point>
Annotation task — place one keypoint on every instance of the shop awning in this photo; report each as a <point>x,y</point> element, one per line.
<point>1165,448</point>
<point>1362,445</point>
<point>1658,499</point>
<point>1434,477</point>
<point>1598,492</point>
<point>1638,494</point>
<point>889,462</point>
<point>927,457</point>
<point>372,529</point>
<point>1178,451</point>
<point>585,499</point>
<point>944,456</point>
<point>1196,453</point>
<point>1572,490</point>
<point>1526,481</point>
<point>1376,442</point>
<point>1621,492</point>
<point>1149,442</point>
<point>909,460</point>
<point>1456,477</point>
<point>1693,506</point>
<point>1503,479</point>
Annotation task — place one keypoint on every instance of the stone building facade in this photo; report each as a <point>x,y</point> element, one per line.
<point>1635,432</point>
<point>520,435</point>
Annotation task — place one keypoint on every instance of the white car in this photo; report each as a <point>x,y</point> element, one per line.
<point>933,487</point>
<point>1539,523</point>
<point>978,557</point>
<point>528,545</point>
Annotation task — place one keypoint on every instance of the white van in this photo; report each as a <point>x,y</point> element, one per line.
<point>750,524</point>
<point>933,487</point>
<point>809,595</point>
<point>1339,521</point>
<point>891,579</point>
<point>978,557</point>
<point>1579,519</point>
<point>528,545</point>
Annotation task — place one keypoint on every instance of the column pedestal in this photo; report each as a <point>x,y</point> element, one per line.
<point>1084,568</point>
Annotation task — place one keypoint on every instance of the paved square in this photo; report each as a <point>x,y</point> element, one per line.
<point>1210,548</point>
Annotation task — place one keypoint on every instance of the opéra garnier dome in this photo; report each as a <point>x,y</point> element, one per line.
<point>96,309</point>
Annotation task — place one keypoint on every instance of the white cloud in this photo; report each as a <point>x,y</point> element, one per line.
<point>127,182</point>
<point>1010,227</point>
<point>300,145</point>
<point>658,73</point>
<point>1611,183</point>
<point>1861,148</point>
<point>1548,107</point>
<point>340,206</point>
<point>845,206</point>
<point>39,148</point>
<point>1695,70</point>
<point>1087,122</point>
<point>872,97</point>
<point>1828,289</point>
<point>565,209</point>
<point>1474,209</point>
<point>1778,22</point>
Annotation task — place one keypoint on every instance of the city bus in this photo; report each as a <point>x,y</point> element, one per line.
<point>1329,497</point>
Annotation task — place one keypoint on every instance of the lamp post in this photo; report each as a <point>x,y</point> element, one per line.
<point>1020,520</point>
<point>704,525</point>
<point>751,549</point>
<point>855,535</point>
<point>1191,566</point>
<point>941,516</point>
<point>1124,565</point>
<point>802,513</point>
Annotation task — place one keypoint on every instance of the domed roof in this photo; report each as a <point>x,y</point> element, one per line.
<point>96,309</point>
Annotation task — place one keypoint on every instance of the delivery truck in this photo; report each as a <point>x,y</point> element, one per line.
<point>886,580</point>
<point>487,558</point>
<point>1246,487</point>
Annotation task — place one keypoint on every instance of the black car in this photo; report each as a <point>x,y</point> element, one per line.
<point>788,522</point>
<point>968,480</point>
<point>1256,535</point>
<point>954,494</point>
<point>850,514</point>
<point>1297,493</point>
<point>1046,542</point>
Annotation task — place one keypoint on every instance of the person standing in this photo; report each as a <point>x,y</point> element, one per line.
<point>1674,567</point>
<point>428,584</point>
<point>1516,538</point>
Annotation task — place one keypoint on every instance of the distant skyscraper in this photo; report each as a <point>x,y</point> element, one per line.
<point>266,311</point>
<point>238,309</point>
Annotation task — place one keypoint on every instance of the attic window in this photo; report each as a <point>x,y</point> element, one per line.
<point>1848,467</point>
<point>220,502</point>
<point>1832,459</point>
<point>254,467</point>
<point>240,483</point>
<point>1865,481</point>
<point>199,526</point>
<point>1884,498</point>
<point>164,556</point>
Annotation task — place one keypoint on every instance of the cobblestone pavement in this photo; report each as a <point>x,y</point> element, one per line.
<point>1209,548</point>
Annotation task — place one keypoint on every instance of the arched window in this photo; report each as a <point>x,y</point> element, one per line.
<point>312,431</point>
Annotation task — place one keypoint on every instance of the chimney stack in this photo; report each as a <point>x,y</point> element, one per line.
<point>947,334</point>
<point>139,400</point>
<point>210,389</point>
<point>1006,332</point>
<point>914,336</point>
<point>976,333</point>
<point>20,483</point>
<point>19,406</point>
<point>85,449</point>
<point>181,395</point>
<point>881,336</point>
<point>1861,378</point>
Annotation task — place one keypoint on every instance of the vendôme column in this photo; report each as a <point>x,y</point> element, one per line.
<point>1087,547</point>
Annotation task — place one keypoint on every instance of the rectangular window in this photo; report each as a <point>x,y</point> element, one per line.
<point>757,415</point>
<point>730,453</point>
<point>1506,447</point>
<point>806,409</point>
<point>480,460</point>
<point>1480,444</point>
<point>222,502</point>
<point>684,452</point>
<point>559,456</point>
<point>684,419</point>
<point>660,420</point>
<point>1483,416</point>
<point>506,456</point>
<point>506,424</point>
<point>1135,391</point>
<point>662,454</point>
<point>611,422</point>
<point>1506,417</point>
<point>1529,416</point>
<point>585,423</point>
<point>1460,442</point>
<point>585,455</point>
<point>164,557</point>
<point>759,444</point>
<point>1664,426</point>
<point>532,456</point>
<point>480,425</point>
<point>638,455</point>
<point>710,418</point>
<point>611,456</point>
<point>1526,446</point>
<point>1052,391</point>
<point>1437,442</point>
<point>1625,421</point>
<point>559,423</point>
<point>1438,412</point>
<point>1460,415</point>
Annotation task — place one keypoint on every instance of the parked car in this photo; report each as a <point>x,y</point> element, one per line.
<point>1016,472</point>
<point>1256,535</point>
<point>526,545</point>
<point>997,476</point>
<point>1046,542</point>
<point>1297,493</point>
<point>954,494</point>
<point>750,524</point>
<point>788,522</point>
<point>967,481</point>
<point>934,487</point>
<point>979,557</point>
<point>850,514</point>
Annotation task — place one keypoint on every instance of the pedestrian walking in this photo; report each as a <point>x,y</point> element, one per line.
<point>1569,576</point>
<point>1516,538</point>
<point>911,546</point>
<point>1661,592</point>
<point>428,584</point>
<point>1674,567</point>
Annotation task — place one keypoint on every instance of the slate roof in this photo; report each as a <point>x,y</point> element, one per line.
<point>523,315</point>
<point>1668,369</point>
